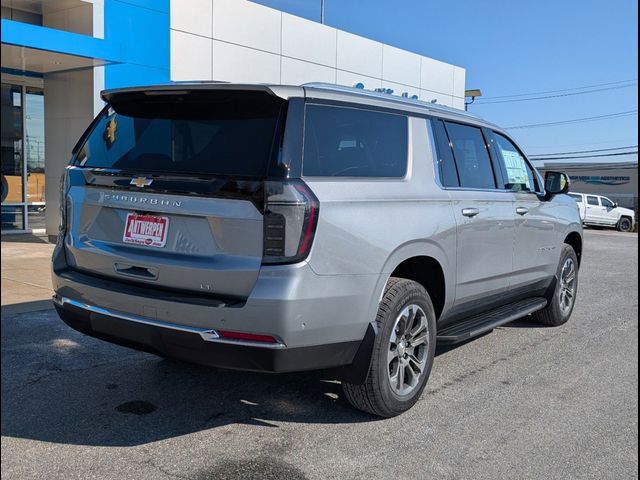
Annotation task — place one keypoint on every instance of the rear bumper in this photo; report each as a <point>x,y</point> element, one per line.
<point>289,302</point>
<point>320,321</point>
<point>199,345</point>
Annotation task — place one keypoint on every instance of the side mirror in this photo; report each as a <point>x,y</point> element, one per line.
<point>556,183</point>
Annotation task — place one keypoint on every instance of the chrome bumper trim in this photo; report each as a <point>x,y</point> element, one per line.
<point>207,334</point>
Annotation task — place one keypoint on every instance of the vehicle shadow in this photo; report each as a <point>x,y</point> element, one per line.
<point>526,322</point>
<point>60,386</point>
<point>63,387</point>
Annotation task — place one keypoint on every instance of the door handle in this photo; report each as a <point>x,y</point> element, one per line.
<point>522,210</point>
<point>470,212</point>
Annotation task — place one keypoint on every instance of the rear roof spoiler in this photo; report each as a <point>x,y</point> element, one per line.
<point>173,88</point>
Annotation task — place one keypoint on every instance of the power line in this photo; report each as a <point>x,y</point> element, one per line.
<point>584,151</point>
<point>563,90</point>
<point>576,120</point>
<point>588,156</point>
<point>547,147</point>
<point>559,95</point>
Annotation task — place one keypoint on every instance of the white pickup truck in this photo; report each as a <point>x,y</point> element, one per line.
<point>600,211</point>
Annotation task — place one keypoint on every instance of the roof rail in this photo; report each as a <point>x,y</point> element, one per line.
<point>385,96</point>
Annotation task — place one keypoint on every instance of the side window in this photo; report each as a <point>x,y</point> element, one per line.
<point>471,156</point>
<point>520,176</point>
<point>446,164</point>
<point>606,202</point>
<point>354,142</point>
<point>591,200</point>
<point>577,198</point>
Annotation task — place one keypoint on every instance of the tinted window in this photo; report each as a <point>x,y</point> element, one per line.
<point>446,164</point>
<point>471,156</point>
<point>520,175</point>
<point>592,200</point>
<point>219,134</point>
<point>352,142</point>
<point>577,198</point>
<point>606,202</point>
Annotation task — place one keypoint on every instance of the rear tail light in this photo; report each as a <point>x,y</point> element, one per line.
<point>63,213</point>
<point>290,221</point>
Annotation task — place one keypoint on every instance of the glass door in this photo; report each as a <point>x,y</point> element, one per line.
<point>34,155</point>
<point>13,188</point>
<point>23,158</point>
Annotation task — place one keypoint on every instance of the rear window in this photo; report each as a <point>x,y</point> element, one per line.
<point>471,156</point>
<point>353,142</point>
<point>209,133</point>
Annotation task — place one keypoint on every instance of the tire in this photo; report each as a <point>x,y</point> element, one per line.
<point>625,224</point>
<point>560,307</point>
<point>403,302</point>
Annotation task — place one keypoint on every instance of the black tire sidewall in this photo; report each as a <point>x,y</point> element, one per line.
<point>414,294</point>
<point>567,252</point>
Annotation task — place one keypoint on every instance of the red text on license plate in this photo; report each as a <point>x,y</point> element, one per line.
<point>148,230</point>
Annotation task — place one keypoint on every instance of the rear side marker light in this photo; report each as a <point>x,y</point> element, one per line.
<point>246,337</point>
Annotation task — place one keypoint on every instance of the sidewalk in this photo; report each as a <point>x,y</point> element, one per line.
<point>26,278</point>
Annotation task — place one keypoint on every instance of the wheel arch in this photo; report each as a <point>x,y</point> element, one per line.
<point>404,260</point>
<point>426,263</point>
<point>574,239</point>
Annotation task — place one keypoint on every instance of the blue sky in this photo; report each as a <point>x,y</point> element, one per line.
<point>515,47</point>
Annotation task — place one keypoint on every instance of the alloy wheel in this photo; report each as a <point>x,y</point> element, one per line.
<point>567,285</point>
<point>408,347</point>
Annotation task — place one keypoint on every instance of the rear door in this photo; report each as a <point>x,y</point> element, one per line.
<point>484,214</point>
<point>167,190</point>
<point>593,212</point>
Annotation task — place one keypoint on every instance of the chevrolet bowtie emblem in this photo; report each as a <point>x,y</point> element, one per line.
<point>141,181</point>
<point>110,132</point>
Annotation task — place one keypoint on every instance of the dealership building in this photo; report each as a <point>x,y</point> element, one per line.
<point>57,55</point>
<point>617,181</point>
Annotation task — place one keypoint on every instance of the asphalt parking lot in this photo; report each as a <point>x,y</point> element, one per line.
<point>521,402</point>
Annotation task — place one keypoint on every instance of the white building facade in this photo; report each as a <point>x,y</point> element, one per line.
<point>241,41</point>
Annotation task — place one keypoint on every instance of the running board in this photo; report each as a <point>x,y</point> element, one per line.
<point>485,322</point>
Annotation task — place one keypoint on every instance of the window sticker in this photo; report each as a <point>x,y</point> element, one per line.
<point>516,168</point>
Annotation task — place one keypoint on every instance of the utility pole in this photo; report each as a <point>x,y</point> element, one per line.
<point>322,12</point>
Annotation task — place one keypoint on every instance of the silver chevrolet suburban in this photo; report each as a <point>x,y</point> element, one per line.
<point>276,228</point>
